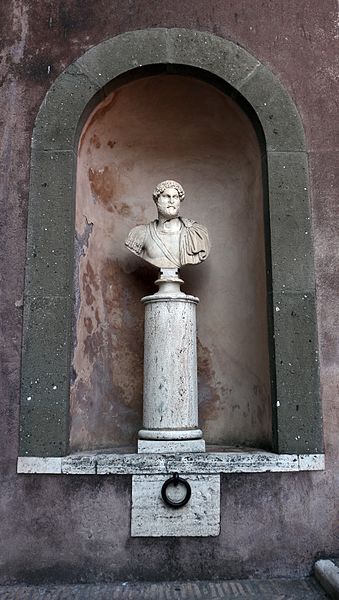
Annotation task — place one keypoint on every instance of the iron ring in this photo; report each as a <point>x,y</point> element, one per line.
<point>174,480</point>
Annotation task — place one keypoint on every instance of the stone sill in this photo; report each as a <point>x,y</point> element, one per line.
<point>235,461</point>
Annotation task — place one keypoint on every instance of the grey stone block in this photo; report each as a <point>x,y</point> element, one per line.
<point>211,53</point>
<point>124,53</point>
<point>50,228</point>
<point>59,119</point>
<point>45,377</point>
<point>290,222</point>
<point>297,409</point>
<point>167,46</point>
<point>276,110</point>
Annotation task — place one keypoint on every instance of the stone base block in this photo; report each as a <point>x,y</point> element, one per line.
<point>170,446</point>
<point>151,517</point>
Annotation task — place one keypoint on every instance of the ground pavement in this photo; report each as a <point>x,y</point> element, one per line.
<point>273,589</point>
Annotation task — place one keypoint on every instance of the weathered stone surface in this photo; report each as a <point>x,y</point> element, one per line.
<point>50,235</point>
<point>147,463</point>
<point>299,425</point>
<point>44,379</point>
<point>167,46</point>
<point>47,313</point>
<point>229,61</point>
<point>290,222</point>
<point>151,517</point>
<point>276,110</point>
<point>211,462</point>
<point>37,464</point>
<point>80,465</point>
<point>123,53</point>
<point>55,127</point>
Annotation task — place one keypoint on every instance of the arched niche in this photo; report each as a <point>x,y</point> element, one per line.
<point>49,289</point>
<point>154,128</point>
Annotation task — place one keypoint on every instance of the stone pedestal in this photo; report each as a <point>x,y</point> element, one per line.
<point>170,369</point>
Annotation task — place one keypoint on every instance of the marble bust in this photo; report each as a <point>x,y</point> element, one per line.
<point>170,241</point>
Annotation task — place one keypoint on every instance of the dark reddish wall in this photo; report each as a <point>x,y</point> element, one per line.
<point>78,527</point>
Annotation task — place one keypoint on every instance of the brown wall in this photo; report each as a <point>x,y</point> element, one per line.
<point>166,127</point>
<point>69,527</point>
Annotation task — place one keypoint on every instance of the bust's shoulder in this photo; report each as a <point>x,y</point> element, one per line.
<point>194,242</point>
<point>193,225</point>
<point>138,230</point>
<point>136,238</point>
<point>187,222</point>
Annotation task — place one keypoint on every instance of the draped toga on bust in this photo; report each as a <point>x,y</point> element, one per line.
<point>193,241</point>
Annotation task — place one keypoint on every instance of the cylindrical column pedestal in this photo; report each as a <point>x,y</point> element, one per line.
<point>170,368</point>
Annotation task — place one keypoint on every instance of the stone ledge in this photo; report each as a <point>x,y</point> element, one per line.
<point>39,464</point>
<point>149,464</point>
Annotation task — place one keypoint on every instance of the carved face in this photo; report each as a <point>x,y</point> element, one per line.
<point>168,203</point>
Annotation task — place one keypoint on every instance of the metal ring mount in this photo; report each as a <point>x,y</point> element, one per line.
<point>174,480</point>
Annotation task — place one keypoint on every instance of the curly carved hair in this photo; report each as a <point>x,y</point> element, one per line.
<point>164,185</point>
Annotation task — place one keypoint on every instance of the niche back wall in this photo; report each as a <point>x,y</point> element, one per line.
<point>155,128</point>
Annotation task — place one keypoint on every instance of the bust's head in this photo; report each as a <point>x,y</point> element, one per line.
<point>169,242</point>
<point>164,185</point>
<point>167,197</point>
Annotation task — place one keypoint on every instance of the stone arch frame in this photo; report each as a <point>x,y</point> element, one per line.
<point>44,420</point>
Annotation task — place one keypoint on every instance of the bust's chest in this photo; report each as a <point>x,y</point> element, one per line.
<point>169,241</point>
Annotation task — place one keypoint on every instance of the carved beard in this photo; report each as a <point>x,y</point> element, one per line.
<point>168,212</point>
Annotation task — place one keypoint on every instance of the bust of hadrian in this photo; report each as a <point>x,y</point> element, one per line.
<point>170,241</point>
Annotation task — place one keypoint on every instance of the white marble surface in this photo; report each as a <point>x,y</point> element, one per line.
<point>311,462</point>
<point>170,241</point>
<point>170,404</point>
<point>39,464</point>
<point>170,446</point>
<point>151,517</point>
<point>254,461</point>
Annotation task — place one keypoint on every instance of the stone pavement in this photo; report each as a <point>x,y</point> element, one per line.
<point>273,589</point>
